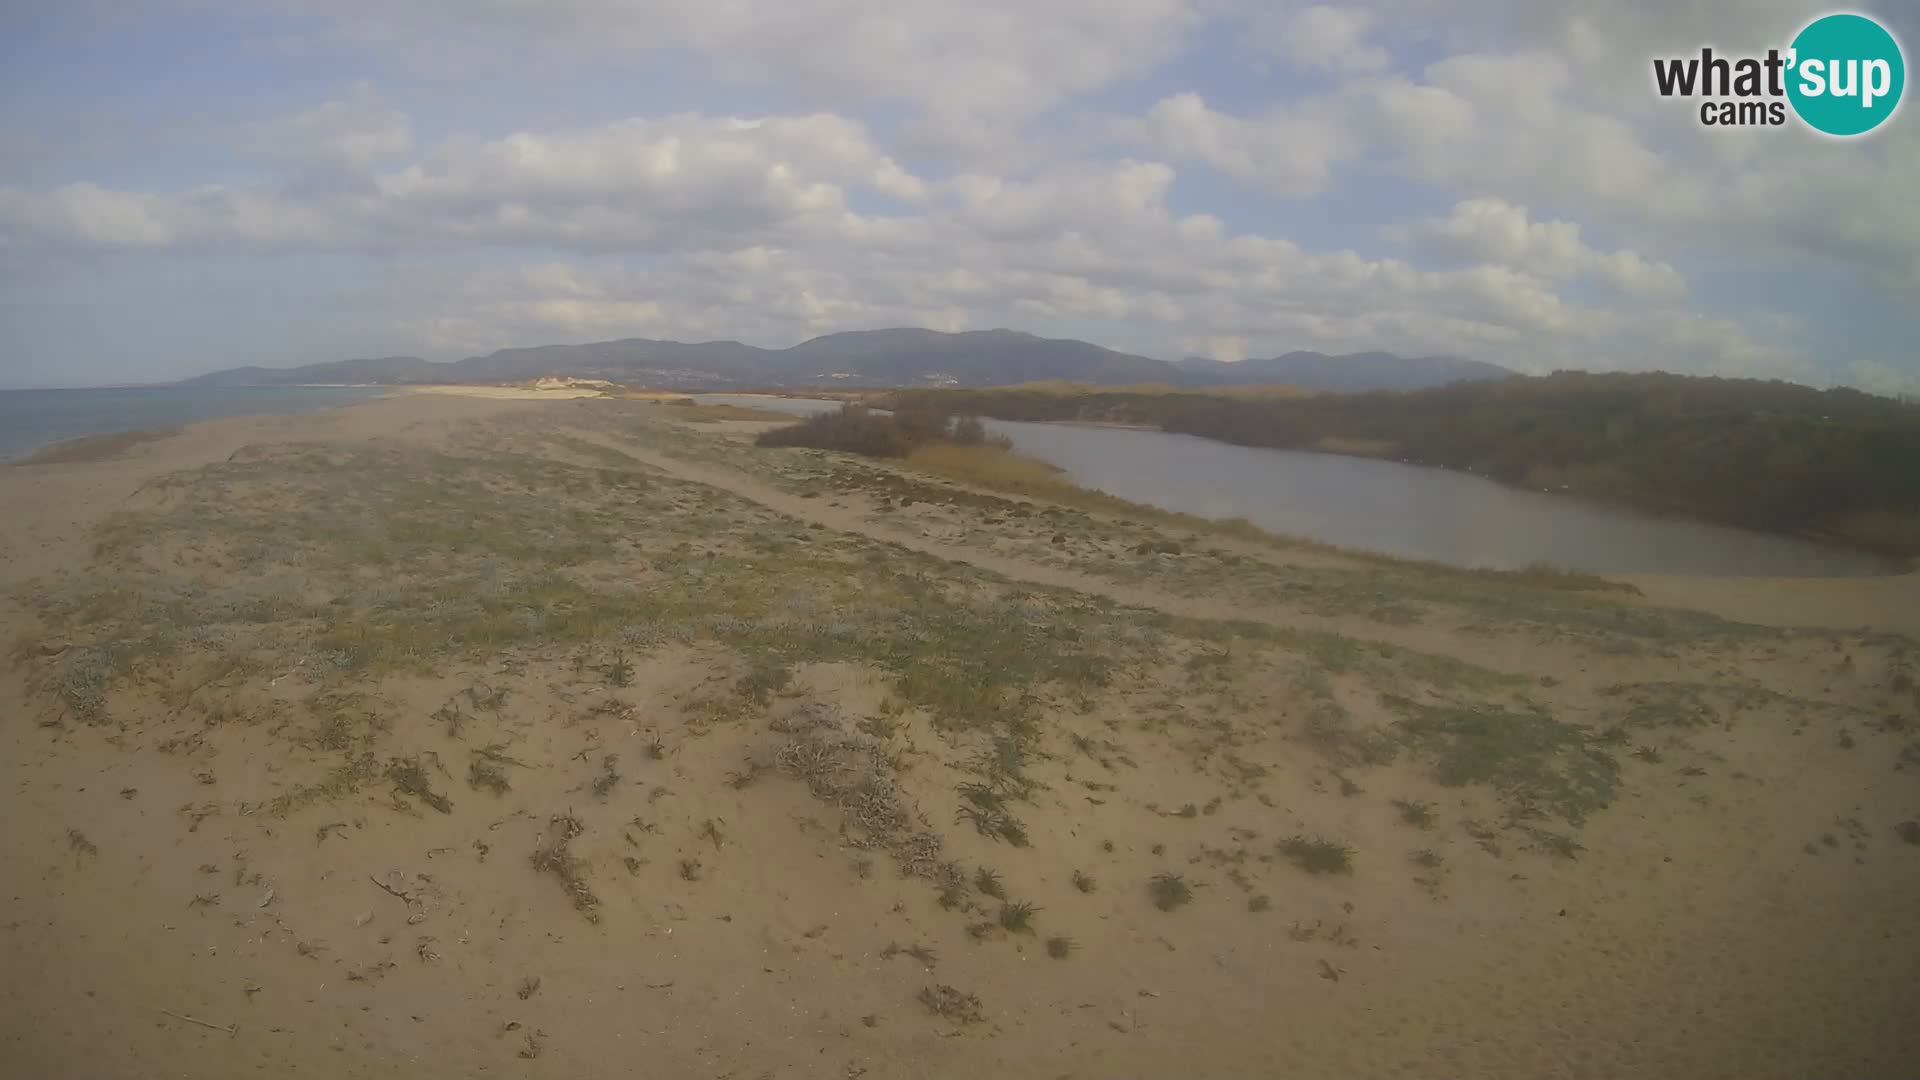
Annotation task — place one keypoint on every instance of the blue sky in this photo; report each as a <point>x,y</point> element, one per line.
<point>194,185</point>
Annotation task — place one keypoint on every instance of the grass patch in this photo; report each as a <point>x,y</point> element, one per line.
<point>1533,760</point>
<point>950,1004</point>
<point>1016,917</point>
<point>1420,815</point>
<point>556,857</point>
<point>989,883</point>
<point>409,777</point>
<point>1169,891</point>
<point>1317,855</point>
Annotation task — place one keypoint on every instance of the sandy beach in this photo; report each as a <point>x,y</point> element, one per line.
<point>456,734</point>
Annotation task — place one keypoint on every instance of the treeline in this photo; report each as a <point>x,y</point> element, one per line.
<point>1762,454</point>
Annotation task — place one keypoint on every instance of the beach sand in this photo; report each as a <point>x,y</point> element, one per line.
<point>448,734</point>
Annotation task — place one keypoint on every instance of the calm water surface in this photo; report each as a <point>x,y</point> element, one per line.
<point>1405,510</point>
<point>30,419</point>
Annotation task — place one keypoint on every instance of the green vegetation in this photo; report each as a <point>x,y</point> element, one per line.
<point>1169,891</point>
<point>989,884</point>
<point>1016,917</point>
<point>1538,763</point>
<point>1318,855</point>
<point>1418,814</point>
<point>1767,455</point>
<point>950,1004</point>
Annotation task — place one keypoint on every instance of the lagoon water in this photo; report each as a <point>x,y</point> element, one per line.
<point>1405,510</point>
<point>30,419</point>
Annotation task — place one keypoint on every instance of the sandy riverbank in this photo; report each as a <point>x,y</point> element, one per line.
<point>449,733</point>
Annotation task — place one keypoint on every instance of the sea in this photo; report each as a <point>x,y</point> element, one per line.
<point>32,419</point>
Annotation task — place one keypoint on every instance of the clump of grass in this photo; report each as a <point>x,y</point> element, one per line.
<point>618,672</point>
<point>1909,831</point>
<point>1648,754</point>
<point>1083,881</point>
<point>556,858</point>
<point>1260,903</point>
<point>925,955</point>
<point>1317,855</point>
<point>1427,857</point>
<point>950,1004</point>
<point>690,869</point>
<point>1418,814</point>
<point>484,774</point>
<point>78,843</point>
<point>953,888</point>
<point>988,882</point>
<point>609,777</point>
<point>529,986</point>
<point>1017,917</point>
<point>1556,844</point>
<point>994,823</point>
<point>409,777</point>
<point>1060,947</point>
<point>760,684</point>
<point>1169,891</point>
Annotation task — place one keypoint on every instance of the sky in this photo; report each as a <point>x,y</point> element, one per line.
<point>187,185</point>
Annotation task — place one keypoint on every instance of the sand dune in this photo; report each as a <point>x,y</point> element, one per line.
<point>448,734</point>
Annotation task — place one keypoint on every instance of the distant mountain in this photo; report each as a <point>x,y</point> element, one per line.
<point>896,357</point>
<point>1347,373</point>
<point>384,371</point>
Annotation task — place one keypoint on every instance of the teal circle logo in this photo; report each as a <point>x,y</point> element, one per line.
<point>1845,74</point>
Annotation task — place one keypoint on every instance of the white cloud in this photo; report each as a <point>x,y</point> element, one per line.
<point>1012,57</point>
<point>634,185</point>
<point>353,132</point>
<point>1290,152</point>
<point>948,165</point>
<point>1495,231</point>
<point>1321,36</point>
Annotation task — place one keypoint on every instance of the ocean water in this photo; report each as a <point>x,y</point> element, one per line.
<point>30,419</point>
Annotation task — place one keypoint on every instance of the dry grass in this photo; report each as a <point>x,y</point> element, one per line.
<point>950,1004</point>
<point>556,858</point>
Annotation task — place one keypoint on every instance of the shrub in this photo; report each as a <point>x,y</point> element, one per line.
<point>853,428</point>
<point>1318,856</point>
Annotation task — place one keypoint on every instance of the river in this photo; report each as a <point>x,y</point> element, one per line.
<point>1405,510</point>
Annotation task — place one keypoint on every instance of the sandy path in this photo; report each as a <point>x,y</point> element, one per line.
<point>1511,653</point>
<point>1882,603</point>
